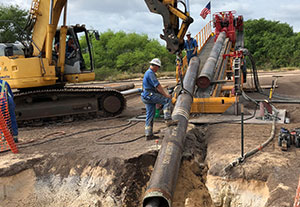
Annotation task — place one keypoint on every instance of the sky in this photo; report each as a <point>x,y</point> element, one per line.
<point>134,16</point>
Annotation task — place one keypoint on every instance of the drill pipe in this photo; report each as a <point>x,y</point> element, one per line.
<point>163,179</point>
<point>208,70</point>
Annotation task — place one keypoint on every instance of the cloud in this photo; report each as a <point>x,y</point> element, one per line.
<point>108,6</point>
<point>134,16</point>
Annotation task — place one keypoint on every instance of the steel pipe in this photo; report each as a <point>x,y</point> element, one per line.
<point>132,91</point>
<point>122,87</point>
<point>163,179</point>
<point>208,70</point>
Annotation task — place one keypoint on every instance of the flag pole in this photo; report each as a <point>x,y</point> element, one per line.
<point>211,23</point>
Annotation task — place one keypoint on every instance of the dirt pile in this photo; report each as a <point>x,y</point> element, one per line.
<point>268,178</point>
<point>237,192</point>
<point>60,181</point>
<point>84,179</point>
<point>190,189</point>
<point>79,179</point>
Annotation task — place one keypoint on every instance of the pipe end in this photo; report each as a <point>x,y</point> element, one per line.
<point>203,82</point>
<point>156,198</point>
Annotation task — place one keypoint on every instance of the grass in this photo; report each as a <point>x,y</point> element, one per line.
<point>278,69</point>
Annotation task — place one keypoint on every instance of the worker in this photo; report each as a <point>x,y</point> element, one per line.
<point>70,47</point>
<point>191,47</point>
<point>152,94</point>
<point>7,93</point>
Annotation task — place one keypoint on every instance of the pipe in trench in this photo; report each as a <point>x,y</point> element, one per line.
<point>208,70</point>
<point>163,179</point>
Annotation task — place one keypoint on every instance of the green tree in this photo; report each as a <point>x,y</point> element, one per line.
<point>273,44</point>
<point>12,21</point>
<point>128,52</point>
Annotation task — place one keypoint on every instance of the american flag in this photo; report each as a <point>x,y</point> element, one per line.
<point>205,11</point>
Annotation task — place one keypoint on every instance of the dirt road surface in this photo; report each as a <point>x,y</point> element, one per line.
<point>108,162</point>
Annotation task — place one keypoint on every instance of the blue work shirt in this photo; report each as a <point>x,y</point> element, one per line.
<point>150,83</point>
<point>190,46</point>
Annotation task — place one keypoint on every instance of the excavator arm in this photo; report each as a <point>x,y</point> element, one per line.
<point>44,17</point>
<point>44,23</point>
<point>173,34</point>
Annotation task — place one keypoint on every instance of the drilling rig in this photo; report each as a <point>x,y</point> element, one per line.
<point>223,69</point>
<point>212,87</point>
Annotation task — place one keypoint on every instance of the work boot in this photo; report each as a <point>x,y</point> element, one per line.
<point>171,122</point>
<point>16,139</point>
<point>151,137</point>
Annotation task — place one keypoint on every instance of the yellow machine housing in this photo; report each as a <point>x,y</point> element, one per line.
<point>40,67</point>
<point>23,72</point>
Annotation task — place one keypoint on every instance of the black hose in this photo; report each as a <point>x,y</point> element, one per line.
<point>121,142</point>
<point>234,120</point>
<point>255,150</point>
<point>108,135</point>
<point>254,72</point>
<point>76,133</point>
<point>287,99</point>
<point>185,9</point>
<point>239,120</point>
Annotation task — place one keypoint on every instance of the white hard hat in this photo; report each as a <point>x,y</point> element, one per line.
<point>188,33</point>
<point>155,61</point>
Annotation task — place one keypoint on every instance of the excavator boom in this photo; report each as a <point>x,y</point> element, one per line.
<point>173,34</point>
<point>44,13</point>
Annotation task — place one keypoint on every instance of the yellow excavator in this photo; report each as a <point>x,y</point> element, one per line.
<point>40,67</point>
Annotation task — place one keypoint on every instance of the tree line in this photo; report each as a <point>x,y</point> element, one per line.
<point>117,52</point>
<point>12,20</point>
<point>272,43</point>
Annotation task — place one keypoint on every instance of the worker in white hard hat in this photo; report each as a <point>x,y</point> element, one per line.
<point>191,46</point>
<point>152,94</point>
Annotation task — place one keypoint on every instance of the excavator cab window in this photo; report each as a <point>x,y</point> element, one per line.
<point>82,42</point>
<point>8,51</point>
<point>74,62</point>
<point>78,56</point>
<point>11,49</point>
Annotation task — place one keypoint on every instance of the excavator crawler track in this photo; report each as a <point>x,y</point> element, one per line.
<point>51,104</point>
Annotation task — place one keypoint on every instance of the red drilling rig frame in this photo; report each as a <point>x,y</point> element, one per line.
<point>226,22</point>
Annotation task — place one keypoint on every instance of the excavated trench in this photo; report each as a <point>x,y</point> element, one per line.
<point>77,180</point>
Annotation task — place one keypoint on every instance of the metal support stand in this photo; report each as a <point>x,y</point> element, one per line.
<point>242,130</point>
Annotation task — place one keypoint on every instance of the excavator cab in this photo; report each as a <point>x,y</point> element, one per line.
<point>75,52</point>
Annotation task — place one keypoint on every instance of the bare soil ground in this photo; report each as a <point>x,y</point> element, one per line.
<point>62,159</point>
<point>277,169</point>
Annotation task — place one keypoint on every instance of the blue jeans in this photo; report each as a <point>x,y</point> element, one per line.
<point>150,102</point>
<point>11,109</point>
<point>189,57</point>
